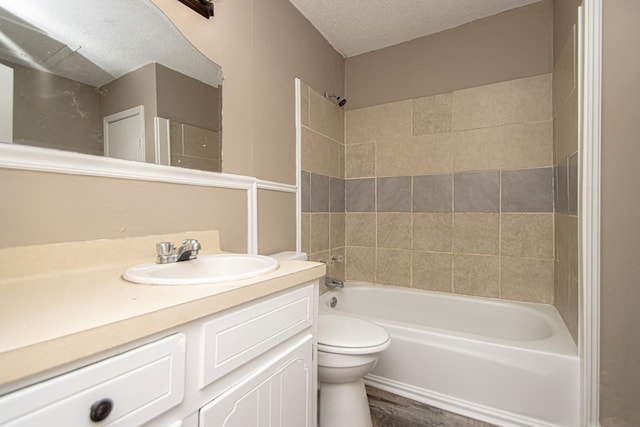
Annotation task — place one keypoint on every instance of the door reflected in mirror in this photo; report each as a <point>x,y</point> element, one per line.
<point>112,78</point>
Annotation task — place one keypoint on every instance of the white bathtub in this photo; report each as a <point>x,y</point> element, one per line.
<point>503,362</point>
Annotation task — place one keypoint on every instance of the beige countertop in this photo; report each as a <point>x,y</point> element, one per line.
<point>50,318</point>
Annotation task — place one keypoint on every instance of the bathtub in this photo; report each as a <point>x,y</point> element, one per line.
<point>503,362</point>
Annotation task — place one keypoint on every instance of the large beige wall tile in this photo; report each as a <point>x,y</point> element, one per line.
<point>476,275</point>
<point>360,229</point>
<point>527,235</point>
<point>561,291</point>
<point>572,245</point>
<point>572,319</point>
<point>384,121</point>
<point>515,101</point>
<point>320,256</point>
<point>433,232</point>
<point>432,114</point>
<point>326,117</point>
<point>305,231</point>
<point>361,264</point>
<point>336,267</point>
<point>476,233</point>
<point>566,128</point>
<point>393,267</point>
<point>200,142</point>
<point>432,271</point>
<point>418,155</point>
<point>320,232</point>
<point>561,241</point>
<point>360,160</point>
<point>197,163</point>
<point>527,145</point>
<point>526,279</point>
<point>565,72</point>
<point>320,154</point>
<point>337,230</point>
<point>304,104</point>
<point>394,230</point>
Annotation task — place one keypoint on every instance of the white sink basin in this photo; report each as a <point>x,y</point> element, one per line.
<point>204,269</point>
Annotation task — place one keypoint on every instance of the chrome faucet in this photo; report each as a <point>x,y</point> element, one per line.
<point>333,283</point>
<point>167,253</point>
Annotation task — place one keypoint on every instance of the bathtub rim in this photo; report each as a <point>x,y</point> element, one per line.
<point>559,343</point>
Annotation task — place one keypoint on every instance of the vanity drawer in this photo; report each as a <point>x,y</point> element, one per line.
<point>234,339</point>
<point>140,384</point>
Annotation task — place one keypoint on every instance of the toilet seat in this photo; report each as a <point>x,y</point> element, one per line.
<point>350,335</point>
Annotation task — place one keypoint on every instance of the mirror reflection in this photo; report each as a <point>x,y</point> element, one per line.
<point>112,78</point>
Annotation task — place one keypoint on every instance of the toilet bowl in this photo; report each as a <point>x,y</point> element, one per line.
<point>348,349</point>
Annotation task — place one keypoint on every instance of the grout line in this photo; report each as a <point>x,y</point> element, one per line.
<point>500,236</point>
<point>452,239</point>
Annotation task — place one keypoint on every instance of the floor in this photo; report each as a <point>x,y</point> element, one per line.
<point>390,410</point>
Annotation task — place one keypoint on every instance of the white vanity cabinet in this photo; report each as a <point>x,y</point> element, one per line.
<point>279,390</point>
<point>277,395</point>
<point>250,365</point>
<point>125,390</point>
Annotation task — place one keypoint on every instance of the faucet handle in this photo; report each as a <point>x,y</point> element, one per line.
<point>195,245</point>
<point>164,248</point>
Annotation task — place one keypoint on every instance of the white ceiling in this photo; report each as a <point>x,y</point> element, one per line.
<point>359,26</point>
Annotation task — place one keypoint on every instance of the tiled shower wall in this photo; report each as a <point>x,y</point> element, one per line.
<point>323,191</point>
<point>565,116</point>
<point>195,148</point>
<point>454,192</point>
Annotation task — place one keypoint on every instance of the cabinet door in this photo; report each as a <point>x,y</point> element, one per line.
<point>279,394</point>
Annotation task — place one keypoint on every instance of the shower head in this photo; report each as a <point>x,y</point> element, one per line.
<point>340,101</point>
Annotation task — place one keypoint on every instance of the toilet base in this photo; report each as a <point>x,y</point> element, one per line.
<point>344,405</point>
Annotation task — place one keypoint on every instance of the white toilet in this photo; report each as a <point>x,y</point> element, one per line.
<point>348,349</point>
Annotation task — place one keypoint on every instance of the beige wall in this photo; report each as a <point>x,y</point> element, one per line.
<point>52,208</point>
<point>453,192</point>
<point>187,100</point>
<point>565,16</point>
<point>54,112</point>
<point>620,287</point>
<point>261,45</point>
<point>131,90</point>
<point>506,46</point>
<point>276,213</point>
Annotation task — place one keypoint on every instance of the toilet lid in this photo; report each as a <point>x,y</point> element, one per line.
<point>349,332</point>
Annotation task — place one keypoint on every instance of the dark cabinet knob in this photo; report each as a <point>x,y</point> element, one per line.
<point>101,409</point>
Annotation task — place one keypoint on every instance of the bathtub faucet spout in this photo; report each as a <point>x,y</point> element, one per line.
<point>333,283</point>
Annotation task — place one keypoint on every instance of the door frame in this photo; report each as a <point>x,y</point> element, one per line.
<point>125,114</point>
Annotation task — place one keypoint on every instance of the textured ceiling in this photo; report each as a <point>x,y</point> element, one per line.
<point>96,42</point>
<point>359,26</point>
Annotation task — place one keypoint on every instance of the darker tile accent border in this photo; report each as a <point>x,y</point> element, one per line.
<point>336,195</point>
<point>319,193</point>
<point>476,192</point>
<point>527,190</point>
<point>432,193</point>
<point>305,191</point>
<point>360,195</point>
<point>394,194</point>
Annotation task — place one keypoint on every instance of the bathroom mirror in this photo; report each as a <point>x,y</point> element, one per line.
<point>113,78</point>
